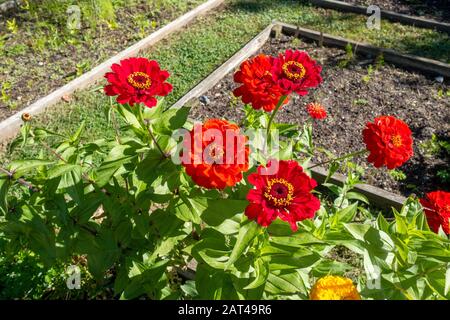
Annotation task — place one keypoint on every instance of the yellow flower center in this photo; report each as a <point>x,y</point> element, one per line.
<point>315,107</point>
<point>396,140</point>
<point>280,192</point>
<point>140,80</point>
<point>294,70</point>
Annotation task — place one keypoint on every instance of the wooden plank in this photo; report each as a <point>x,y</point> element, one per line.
<point>425,65</point>
<point>210,81</point>
<point>10,126</point>
<point>385,14</point>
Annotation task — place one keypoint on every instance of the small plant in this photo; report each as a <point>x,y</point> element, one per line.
<point>349,56</point>
<point>4,95</point>
<point>367,77</point>
<point>443,175</point>
<point>11,25</point>
<point>361,102</point>
<point>435,146</point>
<point>296,42</point>
<point>379,61</point>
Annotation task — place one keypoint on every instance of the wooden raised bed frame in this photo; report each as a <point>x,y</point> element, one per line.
<point>385,14</point>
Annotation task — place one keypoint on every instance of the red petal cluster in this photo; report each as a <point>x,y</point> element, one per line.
<point>137,80</point>
<point>218,154</point>
<point>437,210</point>
<point>285,194</point>
<point>258,88</point>
<point>389,141</point>
<point>295,71</point>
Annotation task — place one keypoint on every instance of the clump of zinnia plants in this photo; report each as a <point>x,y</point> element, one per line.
<point>237,201</point>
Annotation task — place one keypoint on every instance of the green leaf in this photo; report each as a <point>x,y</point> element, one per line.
<point>357,196</point>
<point>285,283</point>
<point>297,240</point>
<point>118,156</point>
<point>248,231</point>
<point>4,187</point>
<point>188,209</point>
<point>224,215</point>
<point>62,169</point>
<point>74,139</point>
<point>171,120</point>
<point>20,167</point>
<point>261,273</point>
<point>348,213</point>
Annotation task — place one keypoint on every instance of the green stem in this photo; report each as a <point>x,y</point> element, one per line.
<point>272,116</point>
<point>152,136</point>
<point>349,155</point>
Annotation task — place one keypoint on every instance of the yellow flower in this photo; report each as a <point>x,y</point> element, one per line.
<point>334,288</point>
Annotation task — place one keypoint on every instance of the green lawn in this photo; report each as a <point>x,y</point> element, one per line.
<point>195,52</point>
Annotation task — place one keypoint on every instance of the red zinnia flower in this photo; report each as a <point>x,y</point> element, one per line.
<point>285,194</point>
<point>437,210</point>
<point>316,110</point>
<point>217,155</point>
<point>137,80</point>
<point>258,87</point>
<point>389,141</point>
<point>296,71</point>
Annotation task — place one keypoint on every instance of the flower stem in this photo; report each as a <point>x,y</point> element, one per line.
<point>20,180</point>
<point>272,116</point>
<point>349,155</point>
<point>155,141</point>
<point>152,136</point>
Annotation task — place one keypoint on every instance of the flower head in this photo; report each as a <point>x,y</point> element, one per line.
<point>295,71</point>
<point>316,110</point>
<point>218,154</point>
<point>334,288</point>
<point>437,210</point>
<point>26,117</point>
<point>137,80</point>
<point>389,141</point>
<point>257,85</point>
<point>285,193</point>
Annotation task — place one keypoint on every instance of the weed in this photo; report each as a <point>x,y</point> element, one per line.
<point>4,96</point>
<point>360,102</point>
<point>397,175</point>
<point>11,25</point>
<point>435,146</point>
<point>367,77</point>
<point>349,56</point>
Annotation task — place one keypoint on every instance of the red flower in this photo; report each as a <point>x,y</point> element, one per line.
<point>437,210</point>
<point>217,155</point>
<point>295,71</point>
<point>137,80</point>
<point>285,194</point>
<point>258,87</point>
<point>389,141</point>
<point>316,110</point>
